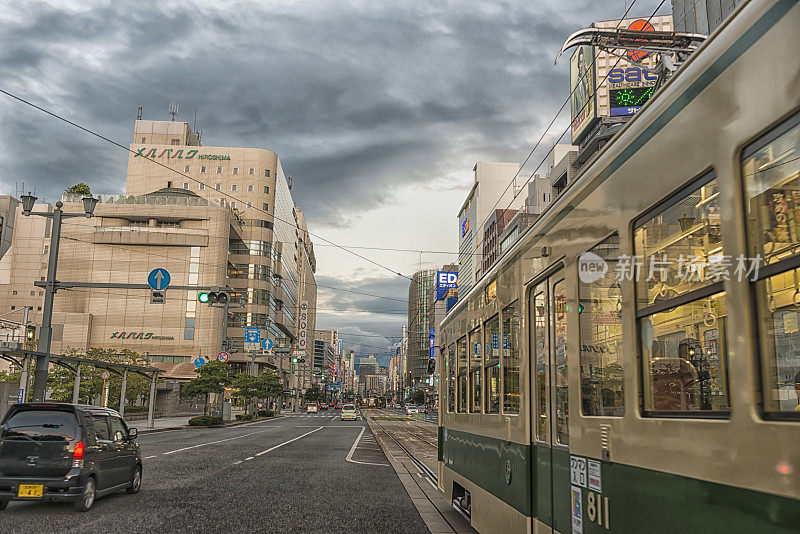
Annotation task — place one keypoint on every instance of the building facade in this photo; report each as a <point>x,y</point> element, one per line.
<point>418,348</point>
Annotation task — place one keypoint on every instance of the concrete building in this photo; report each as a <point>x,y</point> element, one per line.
<point>418,348</point>
<point>368,366</point>
<point>494,187</point>
<point>185,225</point>
<point>8,213</point>
<point>492,229</point>
<point>306,288</point>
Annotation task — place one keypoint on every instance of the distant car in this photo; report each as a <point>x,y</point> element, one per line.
<point>66,452</point>
<point>312,408</point>
<point>411,408</point>
<point>323,406</point>
<point>349,412</point>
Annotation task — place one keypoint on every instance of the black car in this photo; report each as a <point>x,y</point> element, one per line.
<point>66,452</point>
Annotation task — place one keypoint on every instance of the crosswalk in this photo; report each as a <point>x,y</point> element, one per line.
<point>318,417</point>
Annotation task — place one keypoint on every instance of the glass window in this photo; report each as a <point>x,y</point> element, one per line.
<point>219,170</point>
<point>118,431</point>
<point>451,378</point>
<point>475,370</point>
<point>188,334</point>
<point>684,354</point>
<point>600,321</point>
<point>39,425</point>
<point>491,347</point>
<point>202,187</point>
<point>510,351</point>
<point>236,170</point>
<point>771,172</point>
<point>266,190</point>
<point>680,249</point>
<point>462,375</point>
<point>266,173</point>
<point>101,428</point>
<point>540,347</point>
<point>234,187</point>
<point>560,370</point>
<point>252,172</point>
<point>250,187</point>
<point>218,187</point>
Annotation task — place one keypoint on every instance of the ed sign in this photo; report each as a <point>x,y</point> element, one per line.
<point>445,280</point>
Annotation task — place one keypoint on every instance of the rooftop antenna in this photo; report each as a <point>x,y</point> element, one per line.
<point>194,125</point>
<point>173,109</point>
<point>139,114</point>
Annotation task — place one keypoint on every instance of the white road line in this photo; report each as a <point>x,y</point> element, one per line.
<point>287,442</point>
<point>329,426</point>
<point>213,442</point>
<point>148,457</point>
<point>353,449</point>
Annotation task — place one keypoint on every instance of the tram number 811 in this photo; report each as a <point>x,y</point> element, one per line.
<point>597,509</point>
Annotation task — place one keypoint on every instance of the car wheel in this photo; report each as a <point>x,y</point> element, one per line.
<point>136,481</point>
<point>86,500</point>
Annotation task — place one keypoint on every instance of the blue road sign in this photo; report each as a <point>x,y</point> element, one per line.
<point>199,362</point>
<point>252,334</point>
<point>495,340</point>
<point>158,279</point>
<point>266,343</point>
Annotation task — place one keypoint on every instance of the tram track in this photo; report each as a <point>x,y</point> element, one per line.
<point>424,471</point>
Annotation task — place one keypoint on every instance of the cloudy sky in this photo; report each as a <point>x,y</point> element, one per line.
<point>378,110</point>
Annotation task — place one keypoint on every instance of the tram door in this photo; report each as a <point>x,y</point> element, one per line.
<point>551,487</point>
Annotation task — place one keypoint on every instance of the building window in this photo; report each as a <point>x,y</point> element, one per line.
<point>218,187</point>
<point>681,304</point>
<point>144,140</point>
<point>187,168</point>
<point>233,205</point>
<point>509,346</point>
<point>266,173</point>
<point>186,185</point>
<point>252,172</point>
<point>219,170</point>
<point>175,141</point>
<point>266,190</point>
<point>169,184</point>
<point>46,250</point>
<point>461,385</point>
<point>13,292</point>
<point>13,307</point>
<point>250,188</point>
<point>235,171</point>
<point>203,169</point>
<point>188,330</point>
<point>234,187</point>
<point>38,308</point>
<point>491,348</point>
<point>265,206</point>
<point>600,330</point>
<point>249,204</point>
<point>475,371</point>
<point>202,187</point>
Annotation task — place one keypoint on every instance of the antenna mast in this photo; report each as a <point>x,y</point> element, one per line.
<point>173,109</point>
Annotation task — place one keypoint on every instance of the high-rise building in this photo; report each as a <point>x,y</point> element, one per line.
<point>210,216</point>
<point>494,187</point>
<point>306,288</point>
<point>368,366</point>
<point>418,351</point>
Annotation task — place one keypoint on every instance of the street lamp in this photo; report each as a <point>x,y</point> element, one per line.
<point>46,331</point>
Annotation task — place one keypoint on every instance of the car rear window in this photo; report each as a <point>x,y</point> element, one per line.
<point>348,407</point>
<point>42,425</point>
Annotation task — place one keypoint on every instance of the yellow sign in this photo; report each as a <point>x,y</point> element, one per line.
<point>30,490</point>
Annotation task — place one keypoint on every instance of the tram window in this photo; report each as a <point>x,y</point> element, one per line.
<point>562,381</point>
<point>600,322</point>
<point>771,172</point>
<point>462,375</point>
<point>679,249</point>
<point>540,346</point>
<point>684,353</point>
<point>451,378</point>
<point>681,305</point>
<point>475,370</point>
<point>510,351</point>
<point>491,348</point>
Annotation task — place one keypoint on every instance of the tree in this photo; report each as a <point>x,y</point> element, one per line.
<point>418,396</point>
<point>79,189</point>
<point>212,377</point>
<point>246,387</point>
<point>268,385</point>
<point>314,393</point>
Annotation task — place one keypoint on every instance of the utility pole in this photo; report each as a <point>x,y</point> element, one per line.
<point>46,330</point>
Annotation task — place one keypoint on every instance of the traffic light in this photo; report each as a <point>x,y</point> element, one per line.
<point>30,332</point>
<point>294,360</point>
<point>431,366</point>
<point>202,297</point>
<point>213,297</point>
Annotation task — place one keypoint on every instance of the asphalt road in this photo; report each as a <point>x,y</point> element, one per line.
<point>300,473</point>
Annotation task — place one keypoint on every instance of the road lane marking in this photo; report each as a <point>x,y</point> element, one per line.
<point>218,441</point>
<point>284,443</point>
<point>148,457</point>
<point>329,426</point>
<point>353,449</point>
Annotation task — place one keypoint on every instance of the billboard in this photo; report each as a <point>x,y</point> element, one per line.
<point>582,98</point>
<point>445,280</point>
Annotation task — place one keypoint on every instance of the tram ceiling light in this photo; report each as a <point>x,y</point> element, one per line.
<point>27,203</point>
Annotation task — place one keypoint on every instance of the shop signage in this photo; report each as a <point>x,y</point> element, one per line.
<point>139,335</point>
<point>176,153</point>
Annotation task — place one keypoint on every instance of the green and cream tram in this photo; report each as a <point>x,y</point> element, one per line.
<point>632,364</point>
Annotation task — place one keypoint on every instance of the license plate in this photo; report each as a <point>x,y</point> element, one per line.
<point>30,490</point>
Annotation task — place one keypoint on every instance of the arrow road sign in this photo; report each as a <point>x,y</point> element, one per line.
<point>223,356</point>
<point>158,279</point>
<point>252,334</point>
<point>266,343</point>
<point>199,362</point>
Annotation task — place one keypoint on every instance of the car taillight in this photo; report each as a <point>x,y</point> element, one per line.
<point>77,455</point>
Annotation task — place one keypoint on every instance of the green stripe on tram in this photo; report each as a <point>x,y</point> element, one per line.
<point>664,502</point>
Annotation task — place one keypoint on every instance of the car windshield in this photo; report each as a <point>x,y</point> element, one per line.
<point>40,425</point>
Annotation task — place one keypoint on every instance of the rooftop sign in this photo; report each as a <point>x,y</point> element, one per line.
<point>176,153</point>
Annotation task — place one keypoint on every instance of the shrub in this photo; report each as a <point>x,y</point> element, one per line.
<point>205,420</point>
<point>244,417</point>
<point>135,409</point>
<point>266,413</point>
